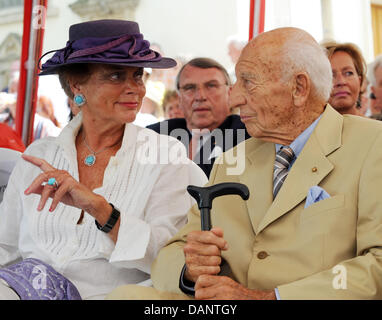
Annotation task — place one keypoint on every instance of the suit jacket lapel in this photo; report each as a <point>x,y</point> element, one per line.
<point>257,177</point>
<point>310,167</point>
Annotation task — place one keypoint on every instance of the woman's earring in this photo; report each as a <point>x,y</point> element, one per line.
<point>358,105</point>
<point>79,99</point>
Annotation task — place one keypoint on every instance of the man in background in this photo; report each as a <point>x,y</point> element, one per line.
<point>208,127</point>
<point>375,78</point>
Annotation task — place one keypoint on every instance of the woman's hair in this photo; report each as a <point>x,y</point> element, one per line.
<point>73,73</point>
<point>353,51</point>
<point>204,63</point>
<point>168,96</point>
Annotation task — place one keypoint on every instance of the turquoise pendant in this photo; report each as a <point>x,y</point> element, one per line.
<point>90,160</point>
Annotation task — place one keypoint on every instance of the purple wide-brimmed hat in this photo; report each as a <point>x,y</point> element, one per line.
<point>117,42</point>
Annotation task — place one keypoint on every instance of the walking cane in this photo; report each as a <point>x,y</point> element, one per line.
<point>205,195</point>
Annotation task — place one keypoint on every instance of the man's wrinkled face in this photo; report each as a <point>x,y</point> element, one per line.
<point>376,105</point>
<point>203,97</point>
<point>264,100</point>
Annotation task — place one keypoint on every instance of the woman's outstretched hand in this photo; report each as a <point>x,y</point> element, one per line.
<point>66,189</point>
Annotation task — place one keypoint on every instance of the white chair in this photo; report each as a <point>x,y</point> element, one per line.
<point>8,159</point>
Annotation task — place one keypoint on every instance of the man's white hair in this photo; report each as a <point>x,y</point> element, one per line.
<point>300,55</point>
<point>371,70</point>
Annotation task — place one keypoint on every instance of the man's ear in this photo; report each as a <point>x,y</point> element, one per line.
<point>302,88</point>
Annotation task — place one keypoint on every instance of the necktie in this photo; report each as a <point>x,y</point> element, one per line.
<point>196,143</point>
<point>283,159</point>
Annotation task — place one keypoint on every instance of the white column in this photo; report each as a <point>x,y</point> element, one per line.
<point>367,31</point>
<point>352,23</point>
<point>304,14</point>
<point>277,14</point>
<point>327,20</point>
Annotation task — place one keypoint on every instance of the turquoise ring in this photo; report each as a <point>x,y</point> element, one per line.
<point>53,182</point>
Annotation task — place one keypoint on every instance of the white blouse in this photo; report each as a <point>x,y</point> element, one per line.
<point>146,180</point>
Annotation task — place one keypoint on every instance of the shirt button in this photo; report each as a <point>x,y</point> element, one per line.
<point>262,255</point>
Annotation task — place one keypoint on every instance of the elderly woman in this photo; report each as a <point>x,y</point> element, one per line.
<point>349,71</point>
<point>171,106</point>
<point>89,210</point>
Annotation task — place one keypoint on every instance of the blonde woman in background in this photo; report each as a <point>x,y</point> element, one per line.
<point>349,72</point>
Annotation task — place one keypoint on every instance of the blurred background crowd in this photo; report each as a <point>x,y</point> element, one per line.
<point>212,28</point>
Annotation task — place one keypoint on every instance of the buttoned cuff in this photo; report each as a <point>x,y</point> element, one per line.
<point>277,294</point>
<point>185,285</point>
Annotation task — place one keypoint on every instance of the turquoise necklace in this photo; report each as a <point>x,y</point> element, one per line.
<point>90,159</point>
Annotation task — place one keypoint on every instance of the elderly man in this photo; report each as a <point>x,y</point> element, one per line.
<point>375,77</point>
<point>312,227</point>
<point>207,128</point>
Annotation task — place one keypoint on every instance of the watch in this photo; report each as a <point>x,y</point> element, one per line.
<point>114,216</point>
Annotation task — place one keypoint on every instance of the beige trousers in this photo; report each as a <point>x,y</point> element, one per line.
<point>135,292</point>
<point>6,293</point>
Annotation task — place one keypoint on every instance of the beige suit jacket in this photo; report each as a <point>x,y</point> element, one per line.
<point>330,250</point>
